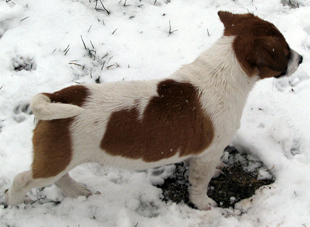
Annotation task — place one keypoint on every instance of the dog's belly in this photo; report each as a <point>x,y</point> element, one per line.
<point>86,147</point>
<point>122,162</point>
<point>86,143</point>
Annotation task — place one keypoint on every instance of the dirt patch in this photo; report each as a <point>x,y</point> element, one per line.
<point>241,176</point>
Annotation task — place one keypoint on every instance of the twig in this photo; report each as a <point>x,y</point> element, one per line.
<point>91,53</point>
<point>83,43</point>
<point>108,67</point>
<point>270,168</point>
<point>208,32</point>
<point>170,31</point>
<point>105,55</point>
<point>24,19</point>
<point>108,12</point>
<point>90,28</point>
<point>67,49</point>
<point>91,44</point>
<point>114,31</point>
<point>103,65</point>
<point>109,59</point>
<point>125,3</point>
<point>72,63</point>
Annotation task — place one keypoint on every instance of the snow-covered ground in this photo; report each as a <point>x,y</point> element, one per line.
<point>47,45</point>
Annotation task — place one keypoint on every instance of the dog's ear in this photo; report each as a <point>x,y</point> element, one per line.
<point>270,58</point>
<point>226,18</point>
<point>271,54</point>
<point>229,19</point>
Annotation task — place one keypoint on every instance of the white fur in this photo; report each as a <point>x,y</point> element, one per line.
<point>43,109</point>
<point>224,87</point>
<point>293,63</point>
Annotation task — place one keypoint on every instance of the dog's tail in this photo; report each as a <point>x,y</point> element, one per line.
<point>44,109</point>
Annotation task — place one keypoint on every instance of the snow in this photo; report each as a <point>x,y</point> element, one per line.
<point>42,50</point>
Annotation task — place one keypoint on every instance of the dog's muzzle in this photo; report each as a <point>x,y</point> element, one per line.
<point>293,64</point>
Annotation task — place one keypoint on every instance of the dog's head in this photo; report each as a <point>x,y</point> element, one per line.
<point>259,46</point>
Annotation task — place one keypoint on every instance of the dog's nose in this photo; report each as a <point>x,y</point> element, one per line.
<point>300,59</point>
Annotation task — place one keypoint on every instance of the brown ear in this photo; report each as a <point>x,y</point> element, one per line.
<point>226,18</point>
<point>229,19</point>
<point>270,54</point>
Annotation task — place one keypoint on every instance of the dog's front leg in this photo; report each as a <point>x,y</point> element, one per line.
<point>201,171</point>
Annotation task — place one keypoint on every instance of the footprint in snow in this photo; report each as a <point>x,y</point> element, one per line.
<point>20,63</point>
<point>21,110</point>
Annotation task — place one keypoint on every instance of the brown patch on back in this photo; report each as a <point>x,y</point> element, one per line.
<point>172,122</point>
<point>52,145</point>
<point>259,45</point>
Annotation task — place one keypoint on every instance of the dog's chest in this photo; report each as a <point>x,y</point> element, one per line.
<point>225,111</point>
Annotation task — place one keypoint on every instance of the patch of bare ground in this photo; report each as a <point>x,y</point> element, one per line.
<point>240,178</point>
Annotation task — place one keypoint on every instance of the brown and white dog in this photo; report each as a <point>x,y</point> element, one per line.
<point>192,115</point>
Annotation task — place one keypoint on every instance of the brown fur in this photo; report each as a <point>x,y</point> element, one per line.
<point>259,45</point>
<point>52,145</point>
<point>172,122</point>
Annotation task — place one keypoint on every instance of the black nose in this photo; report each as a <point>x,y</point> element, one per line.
<point>300,59</point>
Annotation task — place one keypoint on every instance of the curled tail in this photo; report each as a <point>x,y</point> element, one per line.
<point>44,109</point>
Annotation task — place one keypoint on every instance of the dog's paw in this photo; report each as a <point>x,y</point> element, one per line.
<point>75,190</point>
<point>14,200</point>
<point>203,202</point>
<point>218,170</point>
<point>217,173</point>
<point>158,175</point>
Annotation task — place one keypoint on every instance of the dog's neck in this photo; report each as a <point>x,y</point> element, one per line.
<point>223,84</point>
<point>219,69</point>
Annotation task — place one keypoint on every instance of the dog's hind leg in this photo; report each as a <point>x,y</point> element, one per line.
<point>71,188</point>
<point>22,183</point>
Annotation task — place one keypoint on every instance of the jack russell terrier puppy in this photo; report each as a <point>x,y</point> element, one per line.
<point>136,125</point>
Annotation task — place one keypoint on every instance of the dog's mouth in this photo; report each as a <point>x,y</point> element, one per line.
<point>281,75</point>
<point>294,62</point>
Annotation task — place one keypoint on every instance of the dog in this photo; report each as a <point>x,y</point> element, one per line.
<point>192,115</point>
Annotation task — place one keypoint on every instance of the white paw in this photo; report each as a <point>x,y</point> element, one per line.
<point>75,190</point>
<point>203,202</point>
<point>217,173</point>
<point>13,199</point>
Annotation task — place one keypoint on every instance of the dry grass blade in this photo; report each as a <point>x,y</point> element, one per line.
<point>103,7</point>
<point>170,30</point>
